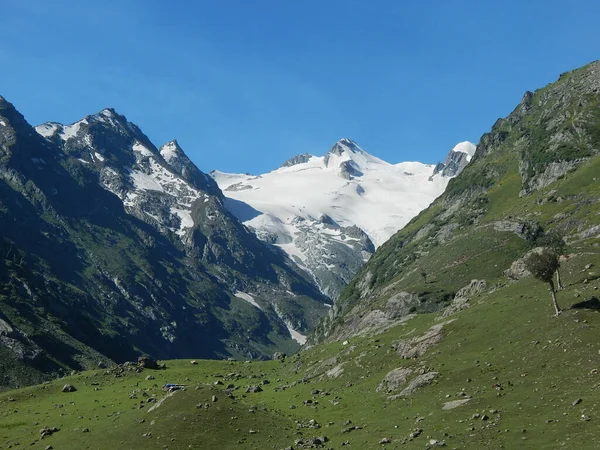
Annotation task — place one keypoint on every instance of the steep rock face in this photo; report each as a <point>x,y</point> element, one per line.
<point>456,160</point>
<point>110,246</point>
<point>298,159</point>
<point>330,213</point>
<point>534,171</point>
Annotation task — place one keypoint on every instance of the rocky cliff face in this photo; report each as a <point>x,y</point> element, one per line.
<point>111,246</point>
<point>456,160</point>
<point>534,171</point>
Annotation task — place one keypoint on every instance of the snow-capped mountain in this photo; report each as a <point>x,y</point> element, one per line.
<point>329,213</point>
<point>456,160</point>
<point>157,185</point>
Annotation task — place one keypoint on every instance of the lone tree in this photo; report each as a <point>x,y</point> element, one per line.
<point>543,265</point>
<point>555,242</point>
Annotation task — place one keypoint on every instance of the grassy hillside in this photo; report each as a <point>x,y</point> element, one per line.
<point>536,171</point>
<point>531,381</point>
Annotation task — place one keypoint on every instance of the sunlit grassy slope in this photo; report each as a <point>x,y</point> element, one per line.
<point>533,377</point>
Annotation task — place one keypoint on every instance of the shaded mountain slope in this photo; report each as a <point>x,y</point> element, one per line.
<point>110,246</point>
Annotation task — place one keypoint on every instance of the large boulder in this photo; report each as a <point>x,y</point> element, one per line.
<point>147,363</point>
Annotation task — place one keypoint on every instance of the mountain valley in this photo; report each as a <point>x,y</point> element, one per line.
<point>112,247</point>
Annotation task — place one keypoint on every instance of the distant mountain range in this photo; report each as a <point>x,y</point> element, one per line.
<point>330,213</point>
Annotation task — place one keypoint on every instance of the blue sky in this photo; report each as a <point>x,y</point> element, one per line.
<point>244,85</point>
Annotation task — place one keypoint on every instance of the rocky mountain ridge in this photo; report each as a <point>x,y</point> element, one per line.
<point>113,247</point>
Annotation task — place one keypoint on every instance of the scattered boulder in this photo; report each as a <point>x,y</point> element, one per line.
<point>147,363</point>
<point>417,346</point>
<point>455,404</point>
<point>279,356</point>
<point>48,431</point>
<point>417,382</point>
<point>518,269</point>
<point>253,389</point>
<point>102,365</point>
<point>394,379</point>
<point>385,440</point>
<point>526,229</point>
<point>461,299</point>
<point>69,388</point>
<point>306,443</point>
<point>416,433</point>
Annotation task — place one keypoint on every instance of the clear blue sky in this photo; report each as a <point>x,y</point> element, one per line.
<point>243,85</point>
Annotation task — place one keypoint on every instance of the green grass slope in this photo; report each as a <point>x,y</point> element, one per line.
<point>536,171</point>
<point>531,381</point>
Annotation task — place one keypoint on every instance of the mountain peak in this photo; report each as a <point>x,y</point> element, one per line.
<point>345,145</point>
<point>108,112</point>
<point>457,159</point>
<point>350,159</point>
<point>110,116</point>
<point>465,147</point>
<point>171,150</point>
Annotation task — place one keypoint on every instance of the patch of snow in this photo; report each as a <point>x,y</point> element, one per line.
<point>144,181</point>
<point>83,161</point>
<point>298,337</point>
<point>186,220</point>
<point>3,123</point>
<point>248,298</point>
<point>169,151</point>
<point>69,131</point>
<point>224,180</point>
<point>465,147</point>
<point>130,199</point>
<point>87,140</point>
<point>140,148</point>
<point>99,157</point>
<point>48,129</point>
<point>110,170</point>
<point>154,216</point>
